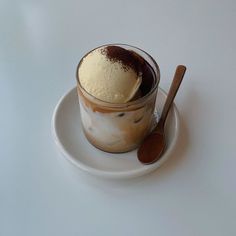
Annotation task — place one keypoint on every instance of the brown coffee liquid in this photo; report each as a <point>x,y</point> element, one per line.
<point>148,79</point>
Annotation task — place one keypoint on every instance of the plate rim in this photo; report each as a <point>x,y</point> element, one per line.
<point>112,174</point>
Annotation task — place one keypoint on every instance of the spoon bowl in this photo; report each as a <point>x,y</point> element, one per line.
<point>156,141</point>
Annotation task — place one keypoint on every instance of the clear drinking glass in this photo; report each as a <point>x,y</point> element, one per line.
<point>114,127</point>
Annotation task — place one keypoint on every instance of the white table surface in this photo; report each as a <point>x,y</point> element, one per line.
<point>194,193</point>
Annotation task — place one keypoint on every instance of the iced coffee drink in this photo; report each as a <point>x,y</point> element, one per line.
<point>117,87</point>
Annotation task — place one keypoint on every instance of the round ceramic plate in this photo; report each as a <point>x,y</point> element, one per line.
<point>69,137</point>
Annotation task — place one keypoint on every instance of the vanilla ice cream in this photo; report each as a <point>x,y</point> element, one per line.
<point>111,74</point>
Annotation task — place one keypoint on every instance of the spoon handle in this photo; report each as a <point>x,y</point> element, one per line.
<point>178,77</point>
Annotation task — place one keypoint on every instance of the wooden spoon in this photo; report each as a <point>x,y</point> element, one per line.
<point>154,144</point>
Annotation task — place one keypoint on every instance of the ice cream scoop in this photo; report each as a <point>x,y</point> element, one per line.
<point>111,74</point>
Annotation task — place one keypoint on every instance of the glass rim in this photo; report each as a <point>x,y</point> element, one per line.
<point>127,104</point>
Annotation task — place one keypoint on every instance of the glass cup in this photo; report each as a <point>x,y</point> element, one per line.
<point>114,127</point>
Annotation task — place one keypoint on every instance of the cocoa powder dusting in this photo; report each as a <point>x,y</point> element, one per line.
<point>130,59</point>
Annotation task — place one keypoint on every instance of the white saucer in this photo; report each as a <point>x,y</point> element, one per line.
<point>68,135</point>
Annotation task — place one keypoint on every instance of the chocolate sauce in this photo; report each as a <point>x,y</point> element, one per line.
<point>130,59</point>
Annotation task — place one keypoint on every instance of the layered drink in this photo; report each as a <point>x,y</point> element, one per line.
<point>117,87</point>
